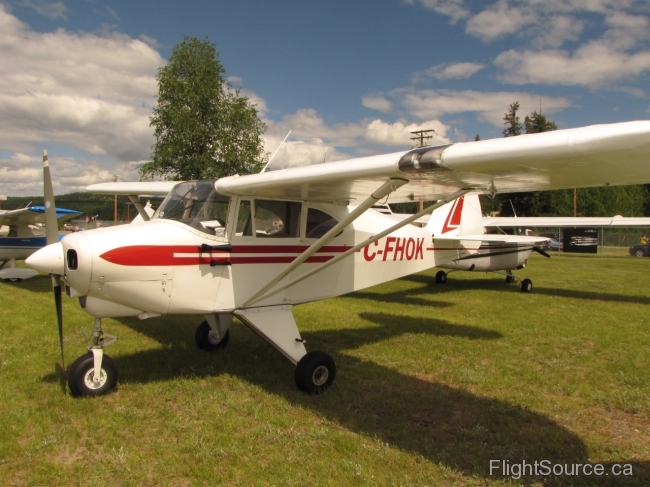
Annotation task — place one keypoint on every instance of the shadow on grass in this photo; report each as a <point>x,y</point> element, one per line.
<point>36,284</point>
<point>444,425</point>
<point>498,284</point>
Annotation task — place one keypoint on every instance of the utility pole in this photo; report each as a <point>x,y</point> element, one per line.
<point>575,202</point>
<point>115,203</point>
<point>421,135</point>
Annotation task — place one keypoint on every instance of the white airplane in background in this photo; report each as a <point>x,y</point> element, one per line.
<point>254,246</point>
<point>503,253</point>
<point>20,237</point>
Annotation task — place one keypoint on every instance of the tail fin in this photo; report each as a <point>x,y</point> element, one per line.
<point>460,217</point>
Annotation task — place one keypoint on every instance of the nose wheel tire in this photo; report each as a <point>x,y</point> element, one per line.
<point>207,340</point>
<point>315,372</point>
<point>81,372</point>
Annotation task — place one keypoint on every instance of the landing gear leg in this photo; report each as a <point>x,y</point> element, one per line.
<point>315,371</point>
<point>94,373</point>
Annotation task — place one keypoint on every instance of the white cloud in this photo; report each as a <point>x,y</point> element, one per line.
<point>451,71</point>
<point>594,64</point>
<point>455,9</point>
<point>379,103</point>
<point>548,23</point>
<point>51,10</point>
<point>22,174</point>
<point>489,107</point>
<point>90,92</point>
<point>500,19</point>
<point>399,133</point>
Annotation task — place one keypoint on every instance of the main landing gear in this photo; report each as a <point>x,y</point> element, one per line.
<point>315,371</point>
<point>525,286</point>
<point>94,373</point>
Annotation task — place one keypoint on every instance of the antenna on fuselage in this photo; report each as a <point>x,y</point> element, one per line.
<point>276,151</point>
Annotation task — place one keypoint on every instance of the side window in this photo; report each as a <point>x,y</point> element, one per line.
<point>244,220</point>
<point>318,223</point>
<point>277,219</point>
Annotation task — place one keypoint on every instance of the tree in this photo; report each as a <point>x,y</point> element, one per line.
<point>539,203</point>
<point>536,123</point>
<point>203,129</point>
<point>511,119</point>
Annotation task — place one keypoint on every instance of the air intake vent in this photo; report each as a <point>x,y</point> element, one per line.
<point>71,259</point>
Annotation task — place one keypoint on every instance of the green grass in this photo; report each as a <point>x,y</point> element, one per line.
<point>433,382</point>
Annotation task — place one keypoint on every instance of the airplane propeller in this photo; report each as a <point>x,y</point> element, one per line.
<point>540,251</point>
<point>52,237</point>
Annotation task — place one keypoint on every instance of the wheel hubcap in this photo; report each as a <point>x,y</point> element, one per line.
<point>212,338</point>
<point>88,379</point>
<point>320,375</point>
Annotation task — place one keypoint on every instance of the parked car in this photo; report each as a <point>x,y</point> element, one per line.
<point>554,243</point>
<point>640,250</point>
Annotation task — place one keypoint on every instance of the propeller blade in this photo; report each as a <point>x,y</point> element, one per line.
<point>51,222</point>
<point>540,251</point>
<point>52,237</point>
<point>56,287</point>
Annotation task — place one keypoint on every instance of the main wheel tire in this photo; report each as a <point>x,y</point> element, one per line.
<point>13,279</point>
<point>207,340</point>
<point>80,376</point>
<point>639,253</point>
<point>441,277</point>
<point>526,286</point>
<point>315,372</point>
<point>510,278</point>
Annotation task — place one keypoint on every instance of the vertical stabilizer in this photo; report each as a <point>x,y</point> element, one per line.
<point>460,217</point>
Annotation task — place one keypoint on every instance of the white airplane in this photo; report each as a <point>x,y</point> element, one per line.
<point>254,246</point>
<point>498,253</point>
<point>503,253</point>
<point>20,237</point>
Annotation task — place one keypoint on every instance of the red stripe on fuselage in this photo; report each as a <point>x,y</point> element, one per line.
<point>162,255</point>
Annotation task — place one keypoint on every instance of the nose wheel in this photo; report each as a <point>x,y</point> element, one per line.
<point>82,380</point>
<point>94,373</point>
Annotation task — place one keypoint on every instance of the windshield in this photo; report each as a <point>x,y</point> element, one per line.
<point>198,205</point>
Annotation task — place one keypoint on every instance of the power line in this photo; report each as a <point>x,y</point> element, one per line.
<point>420,135</point>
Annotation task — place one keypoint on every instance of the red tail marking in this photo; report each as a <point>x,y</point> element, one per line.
<point>453,218</point>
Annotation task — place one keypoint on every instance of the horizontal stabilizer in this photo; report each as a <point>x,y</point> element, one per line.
<point>515,239</point>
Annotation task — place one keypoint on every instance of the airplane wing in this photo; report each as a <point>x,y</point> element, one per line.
<point>555,222</point>
<point>34,214</point>
<point>598,155</point>
<point>144,188</point>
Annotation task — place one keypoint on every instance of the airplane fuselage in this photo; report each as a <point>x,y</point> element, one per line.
<point>119,271</point>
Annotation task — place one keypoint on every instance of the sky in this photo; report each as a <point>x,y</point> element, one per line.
<point>348,78</point>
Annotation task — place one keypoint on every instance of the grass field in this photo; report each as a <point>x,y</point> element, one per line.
<point>433,382</point>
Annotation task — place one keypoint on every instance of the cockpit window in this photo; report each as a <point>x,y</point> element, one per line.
<point>198,205</point>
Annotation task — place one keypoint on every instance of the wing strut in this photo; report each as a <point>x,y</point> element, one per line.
<point>385,189</point>
<point>138,206</point>
<point>351,250</point>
